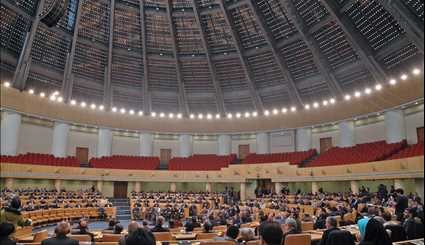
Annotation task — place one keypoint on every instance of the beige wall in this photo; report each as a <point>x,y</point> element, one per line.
<point>34,138</point>
<point>122,145</point>
<point>412,122</point>
<point>205,147</point>
<point>370,132</point>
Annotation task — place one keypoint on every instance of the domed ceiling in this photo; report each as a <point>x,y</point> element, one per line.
<point>209,56</point>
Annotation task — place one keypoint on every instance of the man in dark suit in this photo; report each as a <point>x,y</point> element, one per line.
<point>290,228</point>
<point>62,229</point>
<point>158,225</point>
<point>402,203</point>
<point>331,225</point>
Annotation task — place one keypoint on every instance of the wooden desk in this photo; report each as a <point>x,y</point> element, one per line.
<point>189,236</point>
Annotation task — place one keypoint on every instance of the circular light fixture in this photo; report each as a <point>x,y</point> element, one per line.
<point>123,111</point>
<point>392,82</point>
<point>333,101</point>
<point>284,110</point>
<point>60,99</point>
<point>42,95</point>
<point>6,84</point>
<point>275,111</point>
<point>162,115</point>
<point>378,87</point>
<point>179,116</point>
<point>238,115</point>
<point>347,97</point>
<point>73,102</point>
<point>101,107</point>
<point>293,109</point>
<point>230,116</point>
<point>404,77</point>
<point>171,115</point>
<point>56,93</point>
<point>255,114</point>
<point>83,104</point>
<point>114,109</point>
<point>307,107</point>
<point>217,116</point>
<point>316,105</point>
<point>93,106</point>
<point>416,71</point>
<point>209,116</point>
<point>247,115</point>
<point>31,91</point>
<point>368,91</point>
<point>357,94</point>
<point>325,103</point>
<point>266,113</point>
<point>200,116</point>
<point>153,114</point>
<point>192,116</point>
<point>52,98</point>
<point>131,112</point>
<point>140,113</point>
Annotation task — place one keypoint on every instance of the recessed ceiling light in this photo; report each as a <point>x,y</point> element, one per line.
<point>255,114</point>
<point>31,91</point>
<point>238,115</point>
<point>316,105</point>
<point>171,115</point>
<point>209,116</point>
<point>93,106</point>
<point>307,107</point>
<point>101,107</point>
<point>52,97</point>
<point>368,91</point>
<point>114,109</point>
<point>192,116</point>
<point>179,116</point>
<point>56,93</point>
<point>284,110</point>
<point>131,112</point>
<point>293,109</point>
<point>217,116</point>
<point>378,87</point>
<point>6,84</point>
<point>266,113</point>
<point>60,99</point>
<point>230,116</point>
<point>162,115</point>
<point>83,104</point>
<point>393,82</point>
<point>333,101</point>
<point>325,102</point>
<point>153,114</point>
<point>140,113</point>
<point>73,102</point>
<point>247,115</point>
<point>404,77</point>
<point>275,111</point>
<point>357,94</point>
<point>416,71</point>
<point>123,110</point>
<point>42,95</point>
<point>200,116</point>
<point>347,97</point>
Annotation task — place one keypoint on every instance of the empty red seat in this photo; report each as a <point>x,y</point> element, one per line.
<point>294,158</point>
<point>207,162</point>
<point>42,159</point>
<point>126,162</point>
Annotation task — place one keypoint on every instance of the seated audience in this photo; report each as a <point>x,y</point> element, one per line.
<point>413,226</point>
<point>118,229</point>
<point>290,228</point>
<point>246,235</point>
<point>6,230</point>
<point>231,234</point>
<point>62,229</point>
<point>83,229</point>
<point>208,227</point>
<point>132,227</point>
<point>111,226</point>
<point>12,214</point>
<point>158,225</point>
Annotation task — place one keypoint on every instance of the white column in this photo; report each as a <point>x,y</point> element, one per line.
<point>243,191</point>
<point>146,144</point>
<point>208,187</point>
<point>8,183</point>
<point>346,134</point>
<point>58,184</point>
<point>60,139</point>
<point>137,186</point>
<point>303,139</point>
<point>398,184</point>
<point>224,145</point>
<point>104,143</point>
<point>314,187</point>
<point>263,143</point>
<point>278,187</point>
<point>395,129</point>
<point>354,186</point>
<point>186,145</point>
<point>173,187</point>
<point>10,125</point>
<point>99,185</point>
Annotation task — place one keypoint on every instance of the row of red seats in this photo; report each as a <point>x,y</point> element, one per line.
<point>126,162</point>
<point>294,158</point>
<point>41,159</point>
<point>201,162</point>
<point>368,152</point>
<point>410,151</point>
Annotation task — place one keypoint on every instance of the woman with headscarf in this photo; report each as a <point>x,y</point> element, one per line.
<point>375,234</point>
<point>12,214</point>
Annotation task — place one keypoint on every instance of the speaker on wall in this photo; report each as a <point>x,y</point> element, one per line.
<point>54,12</point>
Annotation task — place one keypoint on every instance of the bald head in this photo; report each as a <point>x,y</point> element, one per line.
<point>63,228</point>
<point>133,226</point>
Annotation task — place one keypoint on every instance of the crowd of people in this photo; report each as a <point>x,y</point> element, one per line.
<point>382,217</point>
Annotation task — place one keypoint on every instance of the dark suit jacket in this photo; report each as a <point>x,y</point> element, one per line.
<point>325,235</point>
<point>61,240</point>
<point>159,229</point>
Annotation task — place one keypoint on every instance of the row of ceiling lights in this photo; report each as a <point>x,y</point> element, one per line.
<point>56,97</point>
